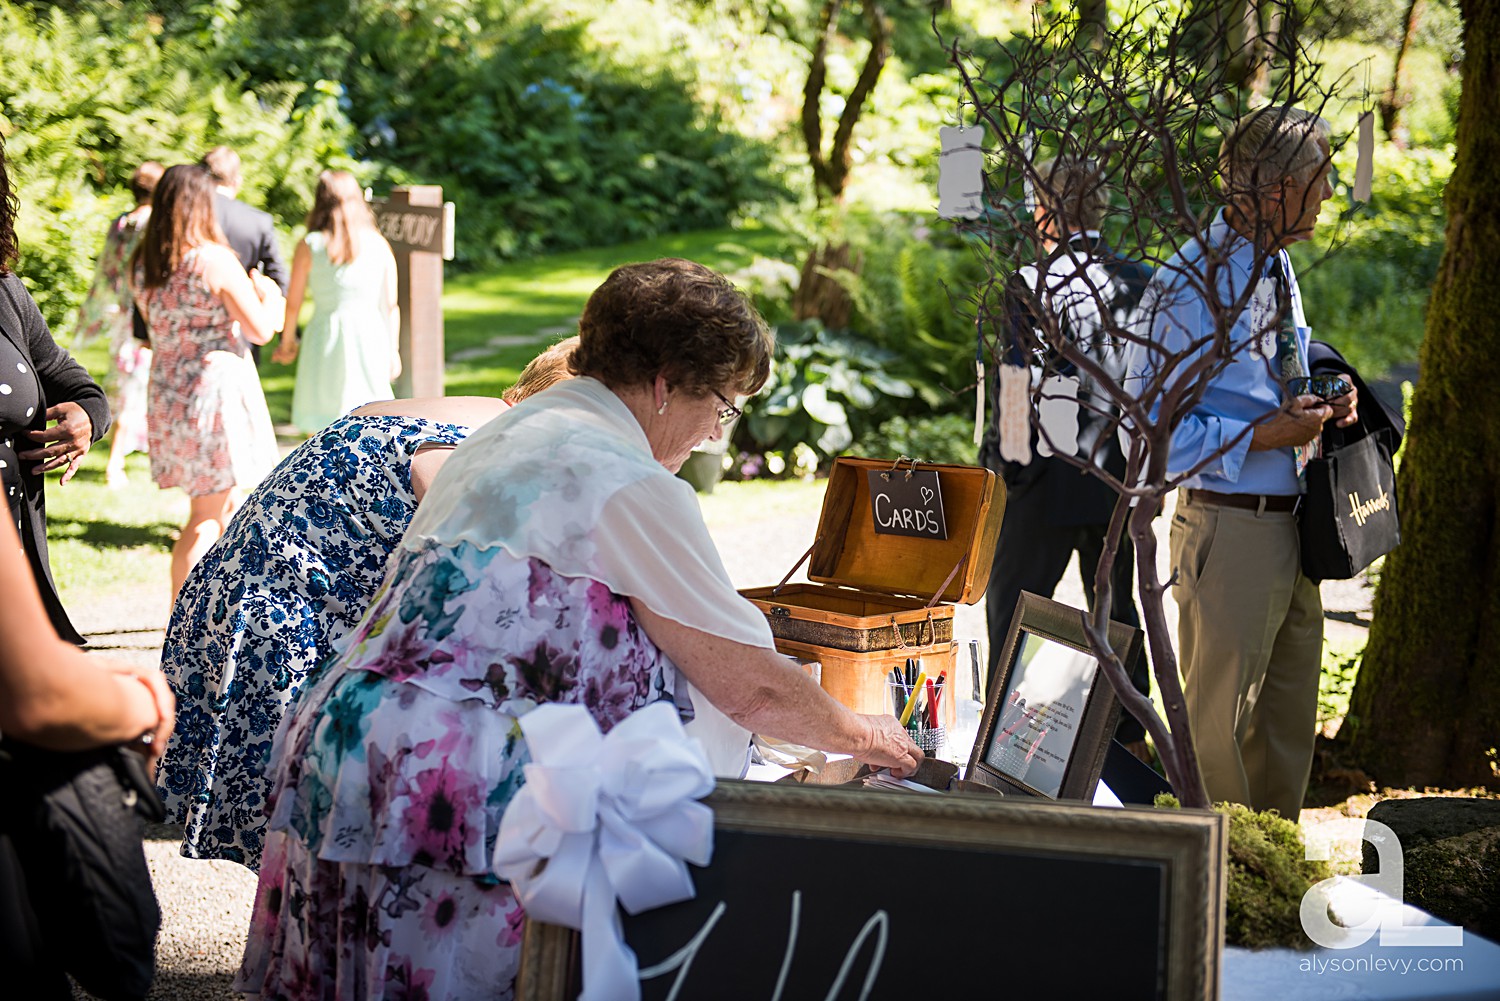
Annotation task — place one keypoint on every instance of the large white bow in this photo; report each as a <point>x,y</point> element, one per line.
<point>602,818</point>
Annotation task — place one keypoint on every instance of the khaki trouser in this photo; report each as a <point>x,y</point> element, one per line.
<point>1250,633</point>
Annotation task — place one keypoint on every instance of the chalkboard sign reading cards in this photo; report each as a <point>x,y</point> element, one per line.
<point>907,502</point>
<point>817,892</point>
<point>1051,712</point>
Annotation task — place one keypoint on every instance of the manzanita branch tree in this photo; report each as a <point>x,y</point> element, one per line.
<point>1148,108</point>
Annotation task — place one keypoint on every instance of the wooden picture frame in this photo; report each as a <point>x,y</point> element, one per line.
<point>1096,902</point>
<point>1010,753</point>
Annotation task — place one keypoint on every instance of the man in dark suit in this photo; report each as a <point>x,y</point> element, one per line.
<point>1088,293</point>
<point>251,233</point>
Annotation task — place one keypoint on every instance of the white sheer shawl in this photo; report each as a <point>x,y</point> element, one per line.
<point>567,477</point>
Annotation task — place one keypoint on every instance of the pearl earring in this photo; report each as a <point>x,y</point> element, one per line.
<point>661,409</point>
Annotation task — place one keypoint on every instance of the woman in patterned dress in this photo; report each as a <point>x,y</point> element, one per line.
<point>109,310</point>
<point>555,559</point>
<point>292,575</point>
<point>206,420</point>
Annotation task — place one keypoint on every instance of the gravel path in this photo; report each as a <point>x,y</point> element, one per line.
<point>206,904</point>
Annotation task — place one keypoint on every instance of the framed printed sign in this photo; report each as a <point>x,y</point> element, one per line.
<point>1051,712</point>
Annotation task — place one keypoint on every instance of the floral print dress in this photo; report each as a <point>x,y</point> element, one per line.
<point>395,767</point>
<point>294,573</point>
<point>109,309</point>
<point>207,425</point>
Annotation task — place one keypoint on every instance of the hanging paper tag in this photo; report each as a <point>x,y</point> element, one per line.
<point>907,502</point>
<point>1028,153</point>
<point>961,172</point>
<point>1057,416</point>
<point>1013,414</point>
<point>1263,320</point>
<point>978,401</point>
<point>1364,169</point>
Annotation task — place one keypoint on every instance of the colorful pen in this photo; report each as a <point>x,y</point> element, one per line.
<point>911,703</point>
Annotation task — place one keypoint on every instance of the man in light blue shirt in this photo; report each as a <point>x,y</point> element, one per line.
<point>1228,342</point>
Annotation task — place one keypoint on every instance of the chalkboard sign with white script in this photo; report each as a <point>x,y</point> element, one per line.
<point>907,502</point>
<point>850,894</point>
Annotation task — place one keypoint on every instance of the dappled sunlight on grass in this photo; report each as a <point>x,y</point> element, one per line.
<point>104,541</point>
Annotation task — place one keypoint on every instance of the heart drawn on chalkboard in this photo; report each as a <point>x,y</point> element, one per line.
<point>926,495</point>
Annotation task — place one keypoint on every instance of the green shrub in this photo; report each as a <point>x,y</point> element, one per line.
<point>911,286</point>
<point>912,296</point>
<point>544,140</point>
<point>85,98</point>
<point>826,388</point>
<point>942,438</point>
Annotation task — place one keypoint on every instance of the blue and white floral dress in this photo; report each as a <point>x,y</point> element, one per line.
<point>294,573</point>
<point>394,770</point>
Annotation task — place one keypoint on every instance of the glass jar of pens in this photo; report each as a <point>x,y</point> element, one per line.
<point>915,699</point>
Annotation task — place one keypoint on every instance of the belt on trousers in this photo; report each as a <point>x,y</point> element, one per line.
<point>1249,502</point>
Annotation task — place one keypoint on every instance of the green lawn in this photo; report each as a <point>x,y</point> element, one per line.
<point>507,315</point>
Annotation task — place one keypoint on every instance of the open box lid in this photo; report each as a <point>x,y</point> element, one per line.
<point>849,552</point>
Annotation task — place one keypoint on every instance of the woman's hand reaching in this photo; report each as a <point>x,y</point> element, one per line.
<point>890,746</point>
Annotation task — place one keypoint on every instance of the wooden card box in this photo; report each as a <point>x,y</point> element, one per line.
<point>868,610</point>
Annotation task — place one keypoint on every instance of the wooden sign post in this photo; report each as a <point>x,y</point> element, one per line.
<point>419,226</point>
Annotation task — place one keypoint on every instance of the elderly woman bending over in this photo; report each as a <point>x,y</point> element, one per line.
<point>555,559</point>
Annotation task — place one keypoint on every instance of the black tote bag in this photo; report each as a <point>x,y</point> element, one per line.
<point>1348,517</point>
<point>74,823</point>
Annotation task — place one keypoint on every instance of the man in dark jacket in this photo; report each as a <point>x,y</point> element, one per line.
<point>1089,294</point>
<point>251,233</point>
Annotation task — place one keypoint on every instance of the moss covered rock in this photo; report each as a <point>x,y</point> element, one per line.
<point>1451,853</point>
<point>1268,874</point>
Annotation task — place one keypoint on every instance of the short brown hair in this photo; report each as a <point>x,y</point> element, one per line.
<point>224,164</point>
<point>1072,189</point>
<point>183,218</point>
<point>144,181</point>
<point>677,319</point>
<point>546,369</point>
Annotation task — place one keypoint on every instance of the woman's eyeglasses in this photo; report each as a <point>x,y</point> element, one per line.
<point>728,411</point>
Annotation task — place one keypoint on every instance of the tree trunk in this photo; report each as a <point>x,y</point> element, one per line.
<point>1093,23</point>
<point>831,170</point>
<point>812,98</point>
<point>819,296</point>
<point>1399,96</point>
<point>1249,35</point>
<point>1426,707</point>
